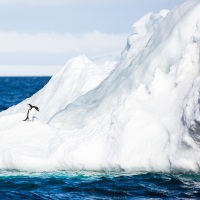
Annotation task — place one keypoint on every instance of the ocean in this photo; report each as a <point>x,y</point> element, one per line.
<point>84,184</point>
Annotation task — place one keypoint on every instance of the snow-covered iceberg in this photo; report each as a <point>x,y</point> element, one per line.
<point>143,115</point>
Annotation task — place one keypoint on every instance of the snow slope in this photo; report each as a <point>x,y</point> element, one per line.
<point>76,78</point>
<point>143,116</point>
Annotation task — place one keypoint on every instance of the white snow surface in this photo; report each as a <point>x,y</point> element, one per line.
<point>143,115</point>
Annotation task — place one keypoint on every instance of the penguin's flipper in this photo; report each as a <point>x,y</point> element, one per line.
<point>25,119</point>
<point>30,105</point>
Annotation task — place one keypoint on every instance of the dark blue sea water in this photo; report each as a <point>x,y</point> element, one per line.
<point>84,185</point>
<point>15,89</point>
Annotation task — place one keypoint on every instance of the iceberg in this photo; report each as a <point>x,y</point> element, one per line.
<point>141,114</point>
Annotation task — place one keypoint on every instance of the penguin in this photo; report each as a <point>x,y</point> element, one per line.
<point>31,113</point>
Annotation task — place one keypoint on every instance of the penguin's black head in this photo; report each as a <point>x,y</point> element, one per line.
<point>37,109</point>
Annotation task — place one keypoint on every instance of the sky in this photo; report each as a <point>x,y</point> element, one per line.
<point>50,32</point>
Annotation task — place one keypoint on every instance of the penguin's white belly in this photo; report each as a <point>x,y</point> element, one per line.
<point>31,114</point>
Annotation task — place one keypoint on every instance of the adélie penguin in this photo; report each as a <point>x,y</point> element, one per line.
<point>31,113</point>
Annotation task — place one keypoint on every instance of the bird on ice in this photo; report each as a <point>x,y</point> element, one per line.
<point>31,113</point>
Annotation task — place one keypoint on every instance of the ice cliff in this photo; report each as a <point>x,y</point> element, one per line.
<point>143,115</point>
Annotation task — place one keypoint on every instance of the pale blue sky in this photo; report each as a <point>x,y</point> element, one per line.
<point>49,32</point>
<point>108,17</point>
